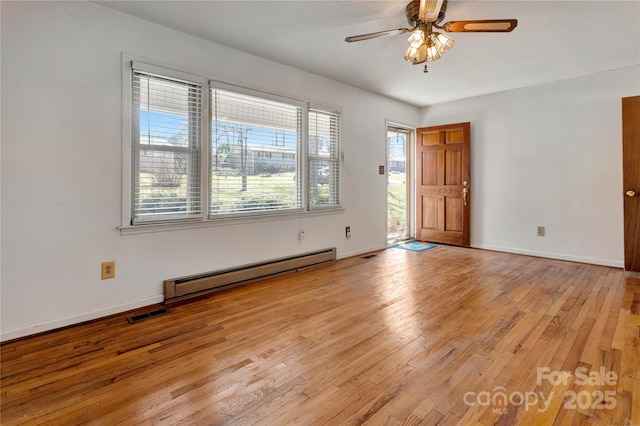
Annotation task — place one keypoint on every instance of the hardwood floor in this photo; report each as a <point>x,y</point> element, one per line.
<point>450,336</point>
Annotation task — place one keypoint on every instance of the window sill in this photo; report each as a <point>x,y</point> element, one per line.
<point>206,223</point>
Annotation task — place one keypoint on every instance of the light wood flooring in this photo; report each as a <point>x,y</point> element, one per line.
<point>449,336</point>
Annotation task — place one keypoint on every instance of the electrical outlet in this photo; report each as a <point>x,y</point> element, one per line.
<point>108,269</point>
<point>347,232</point>
<point>540,231</point>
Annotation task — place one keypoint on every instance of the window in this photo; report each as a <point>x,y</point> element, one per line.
<point>323,152</point>
<point>399,141</point>
<point>166,140</point>
<point>245,175</point>
<point>204,150</point>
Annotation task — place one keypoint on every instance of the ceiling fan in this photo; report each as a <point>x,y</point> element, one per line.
<point>427,45</point>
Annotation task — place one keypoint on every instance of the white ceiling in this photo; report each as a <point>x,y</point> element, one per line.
<point>554,40</point>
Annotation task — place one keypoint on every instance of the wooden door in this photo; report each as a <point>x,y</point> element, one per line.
<point>443,187</point>
<point>631,181</point>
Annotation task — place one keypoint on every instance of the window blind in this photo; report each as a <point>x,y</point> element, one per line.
<point>254,154</point>
<point>323,157</point>
<point>166,134</point>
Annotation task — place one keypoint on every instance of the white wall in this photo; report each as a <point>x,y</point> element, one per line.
<point>549,155</point>
<point>61,167</point>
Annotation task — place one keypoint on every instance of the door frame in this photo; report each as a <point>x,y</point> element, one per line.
<point>410,177</point>
<point>631,182</point>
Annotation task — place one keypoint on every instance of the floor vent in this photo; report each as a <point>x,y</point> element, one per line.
<point>195,285</point>
<point>369,256</point>
<point>148,315</point>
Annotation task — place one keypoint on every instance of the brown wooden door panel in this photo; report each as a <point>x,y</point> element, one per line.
<point>453,167</point>
<point>443,209</point>
<point>430,213</point>
<point>454,136</point>
<point>429,138</point>
<point>631,181</point>
<point>430,171</point>
<point>453,207</point>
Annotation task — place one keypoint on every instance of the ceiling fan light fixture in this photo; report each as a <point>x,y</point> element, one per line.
<point>432,52</point>
<point>415,55</point>
<point>416,38</point>
<point>427,52</point>
<point>443,42</point>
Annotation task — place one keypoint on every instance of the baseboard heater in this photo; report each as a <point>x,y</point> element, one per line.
<point>195,285</point>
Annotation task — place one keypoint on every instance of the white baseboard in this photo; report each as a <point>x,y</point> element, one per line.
<point>359,252</point>
<point>557,256</point>
<point>79,318</point>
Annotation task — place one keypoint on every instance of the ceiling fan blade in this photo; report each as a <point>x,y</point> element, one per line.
<point>429,10</point>
<point>482,26</point>
<point>376,35</point>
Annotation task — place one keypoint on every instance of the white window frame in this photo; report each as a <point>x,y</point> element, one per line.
<point>203,220</point>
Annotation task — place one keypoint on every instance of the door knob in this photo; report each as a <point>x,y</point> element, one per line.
<point>630,193</point>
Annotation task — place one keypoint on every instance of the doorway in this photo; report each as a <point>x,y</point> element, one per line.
<point>399,142</point>
<point>443,187</point>
<point>631,181</point>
